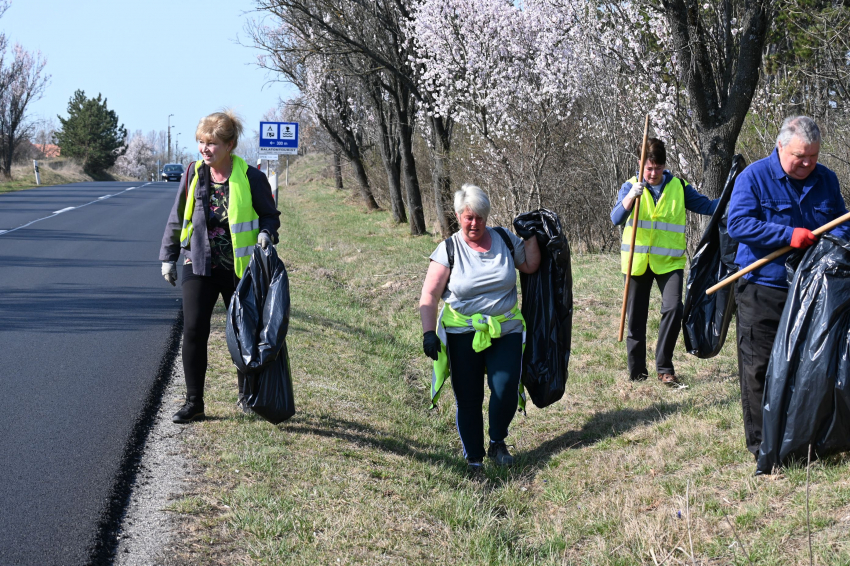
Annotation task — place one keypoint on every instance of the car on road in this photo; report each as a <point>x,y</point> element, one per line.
<point>172,172</point>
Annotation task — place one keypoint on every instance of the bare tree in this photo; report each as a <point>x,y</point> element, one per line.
<point>720,47</point>
<point>22,82</point>
<point>372,34</point>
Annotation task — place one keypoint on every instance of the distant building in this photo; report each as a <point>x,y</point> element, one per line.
<point>48,149</point>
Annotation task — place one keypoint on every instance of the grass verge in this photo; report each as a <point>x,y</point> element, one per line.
<point>54,171</point>
<point>615,473</point>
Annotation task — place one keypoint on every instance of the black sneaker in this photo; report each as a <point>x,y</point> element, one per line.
<point>639,376</point>
<point>498,452</point>
<point>192,410</point>
<point>475,468</point>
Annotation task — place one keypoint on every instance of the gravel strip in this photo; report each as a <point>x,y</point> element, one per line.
<point>147,528</point>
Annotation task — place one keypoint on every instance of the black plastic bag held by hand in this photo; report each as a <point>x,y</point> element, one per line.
<point>257,322</point>
<point>706,318</point>
<point>806,395</point>
<point>547,307</point>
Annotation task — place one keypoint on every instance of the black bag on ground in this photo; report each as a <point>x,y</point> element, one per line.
<point>706,318</point>
<point>547,307</point>
<point>806,398</point>
<point>257,321</point>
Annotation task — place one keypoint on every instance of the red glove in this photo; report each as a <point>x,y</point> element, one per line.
<point>802,238</point>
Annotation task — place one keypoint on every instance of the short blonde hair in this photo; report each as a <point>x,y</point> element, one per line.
<point>224,126</point>
<point>472,197</point>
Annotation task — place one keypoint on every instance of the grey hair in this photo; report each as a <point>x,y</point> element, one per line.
<point>801,127</point>
<point>472,197</point>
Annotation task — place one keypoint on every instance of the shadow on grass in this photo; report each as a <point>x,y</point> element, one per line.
<point>359,434</point>
<point>601,426</point>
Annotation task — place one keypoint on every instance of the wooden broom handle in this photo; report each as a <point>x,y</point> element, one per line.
<point>634,232</point>
<point>770,257</point>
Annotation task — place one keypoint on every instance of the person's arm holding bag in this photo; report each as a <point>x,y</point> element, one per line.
<point>532,256</point>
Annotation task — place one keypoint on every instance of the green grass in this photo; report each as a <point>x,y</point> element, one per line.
<point>365,474</point>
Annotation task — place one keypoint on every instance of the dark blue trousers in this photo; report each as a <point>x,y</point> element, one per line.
<point>503,363</point>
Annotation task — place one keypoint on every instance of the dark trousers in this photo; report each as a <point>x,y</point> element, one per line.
<point>759,310</point>
<point>637,310</point>
<point>503,362</point>
<point>200,294</point>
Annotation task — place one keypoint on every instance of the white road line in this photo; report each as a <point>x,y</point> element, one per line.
<point>3,232</point>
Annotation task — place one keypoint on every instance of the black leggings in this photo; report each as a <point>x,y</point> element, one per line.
<point>503,362</point>
<point>200,294</point>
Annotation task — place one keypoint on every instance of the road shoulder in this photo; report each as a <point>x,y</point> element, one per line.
<point>148,528</point>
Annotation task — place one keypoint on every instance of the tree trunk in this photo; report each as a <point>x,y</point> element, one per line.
<point>392,164</point>
<point>401,99</point>
<point>441,178</point>
<point>360,173</point>
<point>349,146</point>
<point>338,170</point>
<point>388,146</point>
<point>717,146</point>
<point>720,91</point>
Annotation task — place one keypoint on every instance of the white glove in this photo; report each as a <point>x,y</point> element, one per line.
<point>169,271</point>
<point>264,240</point>
<point>636,190</point>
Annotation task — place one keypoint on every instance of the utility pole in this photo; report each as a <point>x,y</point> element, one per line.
<point>169,137</point>
<point>177,148</point>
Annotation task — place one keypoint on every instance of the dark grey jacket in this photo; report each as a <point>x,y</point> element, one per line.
<point>199,244</point>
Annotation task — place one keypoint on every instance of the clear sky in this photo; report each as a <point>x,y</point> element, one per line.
<point>149,59</point>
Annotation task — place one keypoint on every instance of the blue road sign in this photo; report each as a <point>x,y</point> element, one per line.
<point>278,138</point>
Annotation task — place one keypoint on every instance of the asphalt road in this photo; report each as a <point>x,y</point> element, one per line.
<point>85,323</point>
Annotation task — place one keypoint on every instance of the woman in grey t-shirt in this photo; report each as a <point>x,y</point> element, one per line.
<point>480,326</point>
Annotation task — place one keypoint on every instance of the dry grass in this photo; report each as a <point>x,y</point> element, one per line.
<point>54,171</point>
<point>365,474</point>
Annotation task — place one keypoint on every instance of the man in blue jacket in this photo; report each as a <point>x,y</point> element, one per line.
<point>777,202</point>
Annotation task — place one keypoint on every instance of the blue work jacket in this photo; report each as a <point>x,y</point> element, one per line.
<point>766,207</point>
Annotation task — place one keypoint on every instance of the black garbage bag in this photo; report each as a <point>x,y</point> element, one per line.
<point>806,398</point>
<point>257,321</point>
<point>547,306</point>
<point>706,318</point>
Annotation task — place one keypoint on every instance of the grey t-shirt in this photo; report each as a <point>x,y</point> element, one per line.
<point>482,282</point>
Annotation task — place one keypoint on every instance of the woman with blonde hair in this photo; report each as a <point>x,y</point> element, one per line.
<point>223,208</point>
<point>480,328</point>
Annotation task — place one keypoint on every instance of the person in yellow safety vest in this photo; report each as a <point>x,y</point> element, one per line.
<point>659,255</point>
<point>223,208</point>
<point>480,327</point>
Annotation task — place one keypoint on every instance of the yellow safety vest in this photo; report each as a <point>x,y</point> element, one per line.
<point>243,219</point>
<point>486,328</point>
<point>660,240</point>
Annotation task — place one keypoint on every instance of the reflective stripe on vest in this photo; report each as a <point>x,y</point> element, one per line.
<point>653,250</point>
<point>243,219</point>
<point>666,226</point>
<point>486,328</point>
<point>660,242</point>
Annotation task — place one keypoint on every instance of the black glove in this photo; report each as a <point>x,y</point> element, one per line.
<point>431,344</point>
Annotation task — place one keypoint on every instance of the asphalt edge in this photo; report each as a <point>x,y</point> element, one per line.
<point>109,528</point>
